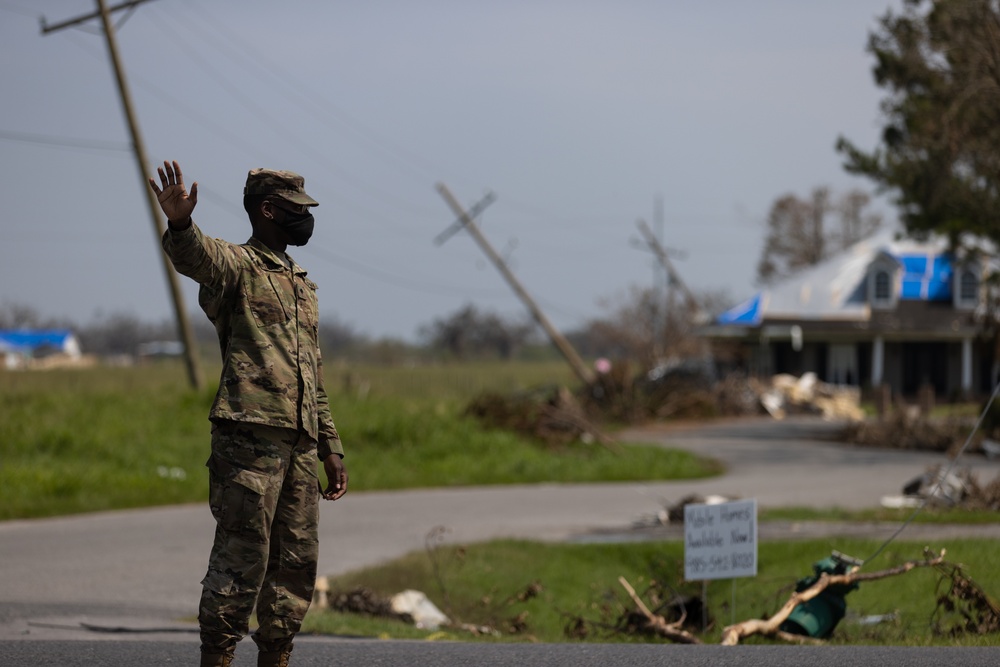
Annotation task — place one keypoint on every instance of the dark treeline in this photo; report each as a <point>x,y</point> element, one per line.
<point>637,327</point>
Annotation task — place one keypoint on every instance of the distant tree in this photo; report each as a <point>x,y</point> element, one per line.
<point>122,333</point>
<point>804,232</point>
<point>339,338</point>
<point>469,333</point>
<point>22,316</point>
<point>938,62</point>
<point>640,326</point>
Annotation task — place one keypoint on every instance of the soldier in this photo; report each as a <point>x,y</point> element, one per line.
<point>270,419</point>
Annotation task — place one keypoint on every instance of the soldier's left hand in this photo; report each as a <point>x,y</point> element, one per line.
<point>336,476</point>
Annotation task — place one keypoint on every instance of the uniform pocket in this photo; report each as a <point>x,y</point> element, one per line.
<point>265,304</point>
<point>236,499</point>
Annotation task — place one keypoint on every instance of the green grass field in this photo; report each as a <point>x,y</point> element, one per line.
<point>108,438</point>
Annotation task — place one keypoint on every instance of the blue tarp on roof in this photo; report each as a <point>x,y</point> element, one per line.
<point>748,312</point>
<point>926,277</point>
<point>25,340</point>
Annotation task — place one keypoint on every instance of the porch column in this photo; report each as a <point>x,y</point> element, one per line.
<point>878,360</point>
<point>966,365</point>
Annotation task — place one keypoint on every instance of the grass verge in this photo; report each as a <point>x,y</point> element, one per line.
<point>933,515</point>
<point>531,591</point>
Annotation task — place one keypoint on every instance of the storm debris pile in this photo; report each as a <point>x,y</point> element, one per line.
<point>688,390</point>
<point>903,430</point>
<point>552,415</point>
<point>940,487</point>
<point>787,394</point>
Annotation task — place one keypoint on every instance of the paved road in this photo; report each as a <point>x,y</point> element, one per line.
<point>140,569</point>
<point>312,653</point>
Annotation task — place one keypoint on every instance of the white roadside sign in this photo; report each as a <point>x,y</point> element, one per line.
<point>720,541</point>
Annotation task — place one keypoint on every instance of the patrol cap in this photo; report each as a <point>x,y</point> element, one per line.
<point>285,184</point>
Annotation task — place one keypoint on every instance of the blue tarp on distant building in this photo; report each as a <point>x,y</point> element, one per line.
<point>836,288</point>
<point>747,312</point>
<point>926,277</point>
<point>25,341</point>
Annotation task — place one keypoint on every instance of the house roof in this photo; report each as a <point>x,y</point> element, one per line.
<point>25,340</point>
<point>835,289</point>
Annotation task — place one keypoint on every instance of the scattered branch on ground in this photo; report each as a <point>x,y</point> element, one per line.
<point>966,603</point>
<point>668,615</point>
<point>732,634</point>
<point>656,623</point>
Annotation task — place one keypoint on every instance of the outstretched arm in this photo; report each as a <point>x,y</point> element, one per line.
<point>210,262</point>
<point>174,199</point>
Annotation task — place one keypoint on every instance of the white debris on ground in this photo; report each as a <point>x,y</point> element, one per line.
<point>789,394</point>
<point>418,606</point>
<point>991,448</point>
<point>937,487</point>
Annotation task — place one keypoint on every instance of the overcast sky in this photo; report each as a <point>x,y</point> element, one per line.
<point>576,114</point>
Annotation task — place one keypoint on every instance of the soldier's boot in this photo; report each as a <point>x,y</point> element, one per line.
<point>274,658</point>
<point>217,659</point>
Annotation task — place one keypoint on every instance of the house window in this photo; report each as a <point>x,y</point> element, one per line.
<point>883,293</point>
<point>968,291</point>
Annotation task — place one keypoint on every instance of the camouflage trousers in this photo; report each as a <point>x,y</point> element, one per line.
<point>264,495</point>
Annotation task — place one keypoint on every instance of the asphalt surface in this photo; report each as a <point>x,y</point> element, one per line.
<point>327,653</point>
<point>103,588</point>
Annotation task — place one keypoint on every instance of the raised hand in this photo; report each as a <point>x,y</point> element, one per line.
<point>174,199</point>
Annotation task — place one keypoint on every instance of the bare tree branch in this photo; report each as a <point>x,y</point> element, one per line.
<point>731,635</point>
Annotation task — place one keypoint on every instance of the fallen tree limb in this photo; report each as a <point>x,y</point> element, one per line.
<point>731,635</point>
<point>657,623</point>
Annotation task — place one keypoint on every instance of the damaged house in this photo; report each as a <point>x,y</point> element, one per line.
<point>887,311</point>
<point>24,348</point>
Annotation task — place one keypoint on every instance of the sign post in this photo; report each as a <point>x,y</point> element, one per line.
<point>720,542</point>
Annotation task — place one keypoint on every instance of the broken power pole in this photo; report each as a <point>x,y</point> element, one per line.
<point>139,149</point>
<point>582,372</point>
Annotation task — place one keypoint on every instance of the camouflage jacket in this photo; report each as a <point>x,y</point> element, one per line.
<point>267,318</point>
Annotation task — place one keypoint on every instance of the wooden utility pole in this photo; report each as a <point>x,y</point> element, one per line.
<point>582,372</point>
<point>662,282</point>
<point>661,254</point>
<point>139,149</point>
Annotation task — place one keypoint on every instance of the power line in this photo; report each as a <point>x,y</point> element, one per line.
<point>65,142</point>
<point>14,9</point>
<point>274,123</point>
<point>223,131</point>
<point>391,279</point>
<point>321,107</point>
<point>358,267</point>
<point>171,100</point>
<point>310,103</point>
<point>940,478</point>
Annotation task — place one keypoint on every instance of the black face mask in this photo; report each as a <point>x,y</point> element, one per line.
<point>298,226</point>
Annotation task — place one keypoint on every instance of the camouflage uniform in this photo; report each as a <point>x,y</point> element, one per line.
<point>271,420</point>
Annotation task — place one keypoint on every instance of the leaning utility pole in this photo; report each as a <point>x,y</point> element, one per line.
<point>465,220</point>
<point>661,283</point>
<point>139,149</point>
<point>661,254</point>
